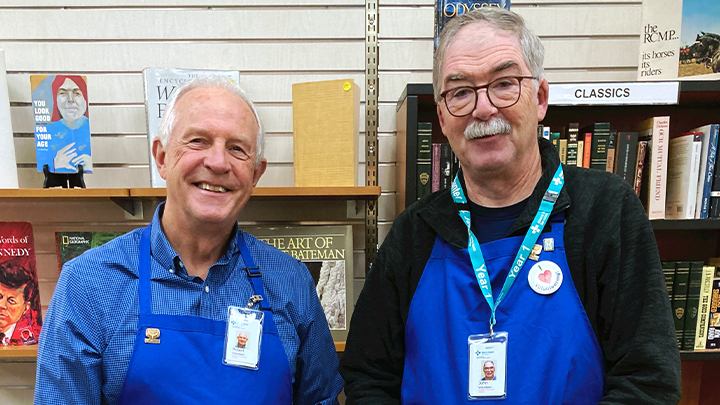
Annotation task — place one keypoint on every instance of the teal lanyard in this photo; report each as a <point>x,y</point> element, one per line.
<point>476,256</point>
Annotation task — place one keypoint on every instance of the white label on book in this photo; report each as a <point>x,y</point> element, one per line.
<point>636,93</point>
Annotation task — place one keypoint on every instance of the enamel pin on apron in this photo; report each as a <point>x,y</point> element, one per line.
<point>535,253</point>
<point>152,335</point>
<point>545,277</point>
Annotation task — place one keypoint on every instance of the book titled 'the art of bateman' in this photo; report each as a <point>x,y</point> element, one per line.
<point>328,254</point>
<point>20,312</point>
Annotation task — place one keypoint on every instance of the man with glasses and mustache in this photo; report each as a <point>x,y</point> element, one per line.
<point>551,271</point>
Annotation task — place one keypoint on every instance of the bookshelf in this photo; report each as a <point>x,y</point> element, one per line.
<point>697,103</point>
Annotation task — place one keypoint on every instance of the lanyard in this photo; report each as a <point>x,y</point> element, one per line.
<point>476,256</point>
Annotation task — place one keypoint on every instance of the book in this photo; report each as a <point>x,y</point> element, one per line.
<point>62,123</point>
<point>626,156</point>
<point>435,168</point>
<point>699,48</point>
<point>562,150</point>
<point>679,301</point>
<point>714,203</point>
<point>555,139</point>
<point>445,166</point>
<point>659,40</point>
<point>424,159</point>
<point>454,166</point>
<point>327,251</point>
<point>712,338</point>
<point>655,131</point>
<point>159,85</point>
<point>326,118</point>
<point>70,245</point>
<point>598,153</point>
<point>669,273</point>
<point>693,300</point>
<point>546,133</point>
<point>445,10</point>
<point>580,152</point>
<point>610,164</point>
<point>682,175</point>
<point>706,288</point>
<point>586,149</point>
<point>639,168</point>
<point>22,315</point>
<point>571,133</point>
<point>707,169</point>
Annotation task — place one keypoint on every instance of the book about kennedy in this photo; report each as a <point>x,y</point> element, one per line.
<point>327,251</point>
<point>159,85</point>
<point>62,123</point>
<point>445,10</point>
<point>20,311</point>
<point>70,245</point>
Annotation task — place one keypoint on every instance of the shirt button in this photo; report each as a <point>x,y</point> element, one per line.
<point>171,270</point>
<point>207,289</point>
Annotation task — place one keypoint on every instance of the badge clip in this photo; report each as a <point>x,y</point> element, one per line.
<point>254,300</point>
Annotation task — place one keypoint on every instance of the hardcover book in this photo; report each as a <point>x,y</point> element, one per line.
<point>160,85</point>
<point>600,137</point>
<point>699,53</point>
<point>627,156</point>
<point>707,169</point>
<point>424,159</point>
<point>445,10</point>
<point>704,302</point>
<point>20,311</point>
<point>327,252</point>
<point>712,340</point>
<point>693,300</point>
<point>571,133</point>
<point>62,123</point>
<point>70,245</point>
<point>641,160</point>
<point>679,301</point>
<point>610,164</point>
<point>655,131</point>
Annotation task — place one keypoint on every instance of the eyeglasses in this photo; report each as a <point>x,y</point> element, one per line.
<point>502,93</point>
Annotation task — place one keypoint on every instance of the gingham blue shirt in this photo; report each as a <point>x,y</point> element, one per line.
<point>89,331</point>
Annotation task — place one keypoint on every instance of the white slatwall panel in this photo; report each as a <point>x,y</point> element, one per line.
<point>273,45</point>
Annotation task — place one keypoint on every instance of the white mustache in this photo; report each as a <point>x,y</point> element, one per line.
<point>495,126</point>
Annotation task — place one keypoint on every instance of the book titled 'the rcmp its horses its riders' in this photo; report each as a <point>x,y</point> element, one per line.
<point>20,312</point>
<point>62,123</point>
<point>328,254</point>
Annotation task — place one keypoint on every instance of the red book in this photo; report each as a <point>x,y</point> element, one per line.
<point>586,152</point>
<point>642,150</point>
<point>20,312</point>
<point>435,168</point>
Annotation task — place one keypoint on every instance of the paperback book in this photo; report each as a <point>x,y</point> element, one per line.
<point>62,123</point>
<point>20,312</point>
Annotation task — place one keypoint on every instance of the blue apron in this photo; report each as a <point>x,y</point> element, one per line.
<point>186,367</point>
<point>552,354</point>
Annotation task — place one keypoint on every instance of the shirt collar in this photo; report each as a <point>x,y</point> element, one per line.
<point>164,254</point>
<point>8,335</point>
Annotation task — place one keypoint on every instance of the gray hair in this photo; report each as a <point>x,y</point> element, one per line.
<point>502,19</point>
<point>167,123</point>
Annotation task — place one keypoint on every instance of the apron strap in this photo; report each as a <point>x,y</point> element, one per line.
<point>144,298</point>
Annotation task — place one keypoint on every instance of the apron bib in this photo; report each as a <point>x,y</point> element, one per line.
<point>553,356</point>
<point>186,367</point>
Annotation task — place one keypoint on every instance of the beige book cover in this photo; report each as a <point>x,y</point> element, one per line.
<point>656,131</point>
<point>660,40</point>
<point>326,121</point>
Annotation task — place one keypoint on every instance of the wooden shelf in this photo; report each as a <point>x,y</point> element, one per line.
<point>325,193</point>
<point>685,224</point>
<point>65,193</point>
<point>29,353</point>
<point>710,355</point>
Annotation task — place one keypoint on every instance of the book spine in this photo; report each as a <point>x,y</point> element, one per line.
<point>546,133</point>
<point>694,176</point>
<point>679,302</point>
<point>424,159</point>
<point>555,139</point>
<point>704,307</point>
<point>445,166</point>
<point>712,339</point>
<point>641,152</point>
<point>563,150</point>
<point>693,299</point>
<point>588,148</point>
<point>669,273</point>
<point>435,168</point>
<point>455,165</point>
<point>626,156</point>
<point>610,164</point>
<point>580,153</point>
<point>599,151</point>
<point>708,173</point>
<point>658,167</point>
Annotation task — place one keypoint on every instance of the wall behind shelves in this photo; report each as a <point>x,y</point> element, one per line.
<point>273,45</point>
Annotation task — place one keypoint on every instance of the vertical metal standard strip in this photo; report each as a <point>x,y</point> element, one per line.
<point>371,127</point>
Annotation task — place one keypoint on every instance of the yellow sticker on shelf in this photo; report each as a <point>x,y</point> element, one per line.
<point>347,86</point>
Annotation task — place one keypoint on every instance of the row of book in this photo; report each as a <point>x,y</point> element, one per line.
<point>436,163</point>
<point>674,175</point>
<point>694,291</point>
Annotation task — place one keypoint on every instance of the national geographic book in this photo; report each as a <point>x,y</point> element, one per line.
<point>20,313</point>
<point>72,244</point>
<point>328,253</point>
<point>445,10</point>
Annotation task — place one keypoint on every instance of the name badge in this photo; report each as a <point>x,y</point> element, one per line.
<point>243,337</point>
<point>487,366</point>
